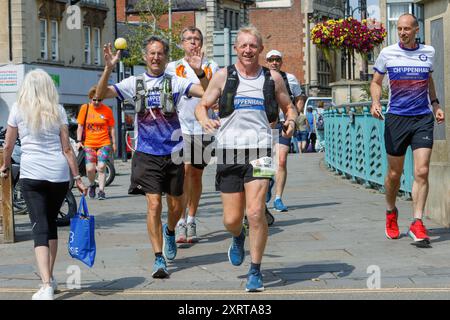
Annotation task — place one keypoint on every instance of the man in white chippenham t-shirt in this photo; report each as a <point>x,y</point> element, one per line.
<point>409,120</point>
<point>195,140</point>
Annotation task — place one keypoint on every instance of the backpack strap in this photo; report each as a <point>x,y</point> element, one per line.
<point>270,102</point>
<point>286,82</point>
<point>141,93</point>
<point>166,96</point>
<point>226,100</point>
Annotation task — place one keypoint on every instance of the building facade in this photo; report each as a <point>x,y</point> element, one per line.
<point>281,25</point>
<point>65,41</point>
<point>207,15</point>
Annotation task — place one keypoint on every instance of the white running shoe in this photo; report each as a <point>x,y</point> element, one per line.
<point>44,293</point>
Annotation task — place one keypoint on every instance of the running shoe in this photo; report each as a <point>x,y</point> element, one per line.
<point>91,192</point>
<point>160,268</point>
<point>254,281</point>
<point>191,232</point>
<point>101,195</point>
<point>181,233</point>
<point>418,232</point>
<point>392,231</point>
<point>169,245</point>
<point>279,206</point>
<point>54,284</point>
<point>44,293</point>
<point>236,252</point>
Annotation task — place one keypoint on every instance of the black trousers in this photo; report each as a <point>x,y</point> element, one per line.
<point>43,199</point>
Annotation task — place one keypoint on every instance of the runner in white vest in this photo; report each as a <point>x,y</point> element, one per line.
<point>244,136</point>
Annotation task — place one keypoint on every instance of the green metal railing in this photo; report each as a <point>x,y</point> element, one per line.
<point>354,146</point>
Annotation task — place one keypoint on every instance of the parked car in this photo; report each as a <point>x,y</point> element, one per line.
<point>319,104</point>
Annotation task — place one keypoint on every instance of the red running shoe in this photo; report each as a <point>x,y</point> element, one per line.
<point>418,232</point>
<point>392,231</point>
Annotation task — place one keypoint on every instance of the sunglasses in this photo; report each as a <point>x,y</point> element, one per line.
<point>274,59</point>
<point>97,100</point>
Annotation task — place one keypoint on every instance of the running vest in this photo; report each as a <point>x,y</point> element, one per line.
<point>226,101</point>
<point>247,125</point>
<point>166,96</point>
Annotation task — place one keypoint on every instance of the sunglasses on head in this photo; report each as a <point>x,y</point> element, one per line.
<point>96,100</point>
<point>274,59</point>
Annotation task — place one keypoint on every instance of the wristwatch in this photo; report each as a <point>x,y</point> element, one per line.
<point>435,100</point>
<point>202,75</point>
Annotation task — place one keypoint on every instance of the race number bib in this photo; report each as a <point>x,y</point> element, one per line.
<point>263,167</point>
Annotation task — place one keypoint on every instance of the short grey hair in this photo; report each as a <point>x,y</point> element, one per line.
<point>192,29</point>
<point>250,29</point>
<point>415,23</point>
<point>152,39</point>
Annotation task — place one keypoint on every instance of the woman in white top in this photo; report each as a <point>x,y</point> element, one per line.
<point>41,124</point>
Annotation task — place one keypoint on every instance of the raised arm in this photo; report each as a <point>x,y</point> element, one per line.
<point>103,90</point>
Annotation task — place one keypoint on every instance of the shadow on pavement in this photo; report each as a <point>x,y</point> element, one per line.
<point>121,284</point>
<point>313,205</point>
<point>278,277</point>
<point>285,223</point>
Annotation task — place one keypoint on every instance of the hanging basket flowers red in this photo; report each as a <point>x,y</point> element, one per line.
<point>349,34</point>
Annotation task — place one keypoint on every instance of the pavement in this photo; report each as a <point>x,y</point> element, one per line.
<point>329,245</point>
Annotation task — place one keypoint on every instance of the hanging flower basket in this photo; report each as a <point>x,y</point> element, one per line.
<point>350,34</point>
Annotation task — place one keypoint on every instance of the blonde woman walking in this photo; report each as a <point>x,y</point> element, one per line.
<point>47,155</point>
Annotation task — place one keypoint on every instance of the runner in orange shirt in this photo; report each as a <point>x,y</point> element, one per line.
<point>98,128</point>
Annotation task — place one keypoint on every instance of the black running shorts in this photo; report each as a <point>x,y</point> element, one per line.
<point>197,150</point>
<point>403,131</point>
<point>232,175</point>
<point>156,174</point>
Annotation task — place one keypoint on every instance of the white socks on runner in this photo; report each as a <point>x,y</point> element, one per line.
<point>190,219</point>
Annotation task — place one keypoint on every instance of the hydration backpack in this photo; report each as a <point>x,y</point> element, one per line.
<point>226,101</point>
<point>166,96</point>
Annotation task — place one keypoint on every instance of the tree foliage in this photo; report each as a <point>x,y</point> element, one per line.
<point>150,14</point>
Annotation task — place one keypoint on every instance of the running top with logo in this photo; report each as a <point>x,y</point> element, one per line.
<point>247,127</point>
<point>186,106</point>
<point>98,122</point>
<point>296,90</point>
<point>158,134</point>
<point>409,74</point>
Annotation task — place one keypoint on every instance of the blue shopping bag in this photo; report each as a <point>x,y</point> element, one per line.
<point>81,243</point>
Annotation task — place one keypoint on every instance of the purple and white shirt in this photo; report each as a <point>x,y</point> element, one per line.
<point>157,134</point>
<point>409,73</point>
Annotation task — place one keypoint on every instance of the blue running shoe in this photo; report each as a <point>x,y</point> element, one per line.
<point>160,268</point>
<point>236,252</point>
<point>279,206</point>
<point>169,245</point>
<point>254,281</point>
<point>269,191</point>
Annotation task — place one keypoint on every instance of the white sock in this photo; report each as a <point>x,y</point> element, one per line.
<point>190,219</point>
<point>278,197</point>
<point>181,221</point>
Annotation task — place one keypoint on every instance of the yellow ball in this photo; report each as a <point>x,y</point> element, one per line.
<point>120,44</point>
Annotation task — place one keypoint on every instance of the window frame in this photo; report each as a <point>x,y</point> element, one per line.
<point>43,49</point>
<point>97,45</point>
<point>54,55</point>
<point>87,44</point>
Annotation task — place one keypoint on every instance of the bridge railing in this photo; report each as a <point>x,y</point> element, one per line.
<point>354,146</point>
